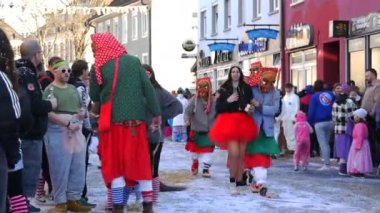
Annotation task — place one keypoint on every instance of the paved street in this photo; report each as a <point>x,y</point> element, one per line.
<point>311,191</point>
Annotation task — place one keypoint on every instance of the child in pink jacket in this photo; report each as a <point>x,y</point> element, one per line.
<point>302,131</point>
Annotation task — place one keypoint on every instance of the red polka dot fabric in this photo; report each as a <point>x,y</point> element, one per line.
<point>106,47</point>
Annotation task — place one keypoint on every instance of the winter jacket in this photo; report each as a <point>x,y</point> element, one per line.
<point>226,90</point>
<point>290,106</point>
<point>39,108</point>
<point>264,114</point>
<point>10,113</point>
<point>302,128</point>
<point>320,107</point>
<point>195,113</point>
<point>170,107</point>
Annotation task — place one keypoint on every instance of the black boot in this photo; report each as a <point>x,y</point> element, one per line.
<point>166,188</point>
<point>147,207</point>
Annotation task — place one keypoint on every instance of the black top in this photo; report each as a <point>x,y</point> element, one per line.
<point>245,96</point>
<point>39,108</point>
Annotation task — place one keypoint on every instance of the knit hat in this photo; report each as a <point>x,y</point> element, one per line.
<point>345,89</point>
<point>361,113</point>
<point>106,48</point>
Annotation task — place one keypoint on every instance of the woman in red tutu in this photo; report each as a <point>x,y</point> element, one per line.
<point>234,127</point>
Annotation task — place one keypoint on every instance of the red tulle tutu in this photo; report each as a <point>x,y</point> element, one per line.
<point>124,153</point>
<point>234,126</point>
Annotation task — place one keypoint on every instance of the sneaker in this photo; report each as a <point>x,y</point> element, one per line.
<point>255,188</point>
<point>77,206</point>
<point>84,202</point>
<point>304,168</point>
<point>296,168</point>
<point>206,173</point>
<point>324,168</point>
<point>342,169</point>
<point>233,189</point>
<point>40,200</point>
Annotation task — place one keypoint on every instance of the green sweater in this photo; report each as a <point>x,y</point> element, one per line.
<point>133,90</point>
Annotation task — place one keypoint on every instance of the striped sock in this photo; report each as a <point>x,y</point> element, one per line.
<point>127,191</point>
<point>40,187</point>
<point>156,189</point>
<point>18,204</point>
<point>206,166</point>
<point>109,199</point>
<point>117,196</point>
<point>147,196</point>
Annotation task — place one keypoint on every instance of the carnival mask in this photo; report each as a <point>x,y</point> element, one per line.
<point>203,88</point>
<point>268,78</point>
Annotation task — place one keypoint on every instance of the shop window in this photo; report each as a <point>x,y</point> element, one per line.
<point>215,19</point>
<point>357,66</point>
<point>303,68</point>
<point>144,24</point>
<point>135,28</point>
<point>124,28</point>
<point>115,27</point>
<point>276,59</point>
<point>375,59</point>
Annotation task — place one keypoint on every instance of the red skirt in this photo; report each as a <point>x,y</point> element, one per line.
<point>124,152</point>
<point>256,160</point>
<point>234,126</point>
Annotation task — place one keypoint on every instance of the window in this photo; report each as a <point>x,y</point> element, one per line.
<point>227,14</point>
<point>124,34</point>
<point>303,68</point>
<point>256,9</point>
<point>144,58</point>
<point>241,12</point>
<point>115,28</point>
<point>295,2</point>
<point>107,27</point>
<point>215,19</point>
<point>375,52</point>
<point>99,27</point>
<point>134,27</point>
<point>203,24</point>
<point>274,6</point>
<point>144,24</point>
<point>356,47</point>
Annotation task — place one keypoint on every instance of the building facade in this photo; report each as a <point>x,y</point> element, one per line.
<point>318,48</point>
<point>130,27</point>
<point>233,22</point>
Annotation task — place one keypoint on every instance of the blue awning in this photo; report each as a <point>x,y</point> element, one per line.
<point>221,46</point>
<point>262,33</point>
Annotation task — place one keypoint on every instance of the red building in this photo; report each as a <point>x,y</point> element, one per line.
<point>311,53</point>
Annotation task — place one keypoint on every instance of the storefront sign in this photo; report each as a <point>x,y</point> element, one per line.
<point>262,33</point>
<point>299,35</point>
<point>338,29</point>
<point>221,57</point>
<point>221,46</point>
<point>258,45</point>
<point>365,24</point>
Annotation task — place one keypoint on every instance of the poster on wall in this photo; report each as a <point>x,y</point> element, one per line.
<point>299,35</point>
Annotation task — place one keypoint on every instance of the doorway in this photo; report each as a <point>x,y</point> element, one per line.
<point>331,62</point>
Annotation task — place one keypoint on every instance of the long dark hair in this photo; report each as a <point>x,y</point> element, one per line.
<point>228,82</point>
<point>7,63</point>
<point>152,78</point>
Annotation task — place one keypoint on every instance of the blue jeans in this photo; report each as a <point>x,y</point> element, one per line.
<point>3,179</point>
<point>323,130</point>
<point>32,157</point>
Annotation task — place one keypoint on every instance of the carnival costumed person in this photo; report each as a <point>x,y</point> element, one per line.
<point>200,114</point>
<point>266,101</point>
<point>119,84</point>
<point>234,127</point>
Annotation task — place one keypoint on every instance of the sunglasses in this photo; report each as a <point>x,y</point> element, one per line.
<point>66,70</point>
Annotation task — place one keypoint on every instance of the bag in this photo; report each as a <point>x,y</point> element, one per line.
<point>105,115</point>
